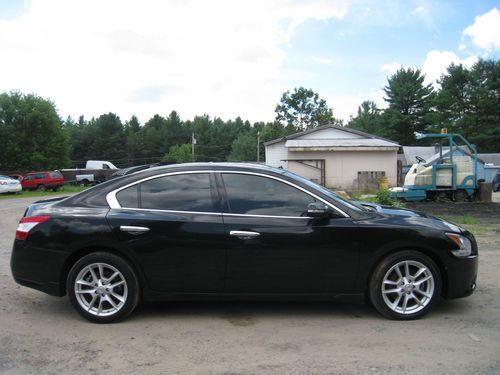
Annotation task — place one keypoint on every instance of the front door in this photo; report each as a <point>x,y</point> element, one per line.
<point>273,247</point>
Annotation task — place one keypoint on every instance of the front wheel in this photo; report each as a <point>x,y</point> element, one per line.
<point>405,285</point>
<point>103,287</point>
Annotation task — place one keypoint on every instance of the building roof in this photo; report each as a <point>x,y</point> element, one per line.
<point>341,142</point>
<point>490,158</point>
<point>411,152</point>
<point>357,136</point>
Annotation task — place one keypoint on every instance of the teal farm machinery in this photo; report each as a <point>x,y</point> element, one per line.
<point>450,174</point>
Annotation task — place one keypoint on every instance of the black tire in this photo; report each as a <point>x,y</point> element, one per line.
<point>41,187</point>
<point>386,269</point>
<point>461,195</point>
<point>128,290</point>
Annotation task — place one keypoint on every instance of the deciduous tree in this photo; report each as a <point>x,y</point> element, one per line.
<point>31,133</point>
<point>303,109</point>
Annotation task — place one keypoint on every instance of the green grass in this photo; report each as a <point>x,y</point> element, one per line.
<point>464,219</point>
<point>66,189</point>
<point>382,197</point>
<point>468,222</point>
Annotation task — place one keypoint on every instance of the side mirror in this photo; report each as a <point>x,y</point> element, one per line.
<point>318,209</point>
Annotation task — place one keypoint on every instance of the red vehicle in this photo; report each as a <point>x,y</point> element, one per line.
<point>43,181</point>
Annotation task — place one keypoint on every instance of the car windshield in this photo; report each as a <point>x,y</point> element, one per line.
<point>327,192</point>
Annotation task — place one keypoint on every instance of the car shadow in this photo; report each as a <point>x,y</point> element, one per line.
<point>247,313</point>
<point>243,313</point>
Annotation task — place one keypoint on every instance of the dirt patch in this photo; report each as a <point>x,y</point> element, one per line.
<point>40,334</point>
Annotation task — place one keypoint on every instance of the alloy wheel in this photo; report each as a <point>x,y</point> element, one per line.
<point>101,289</point>
<point>408,287</point>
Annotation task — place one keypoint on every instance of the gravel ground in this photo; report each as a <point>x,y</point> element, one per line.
<point>40,334</point>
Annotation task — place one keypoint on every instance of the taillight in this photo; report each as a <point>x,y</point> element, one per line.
<point>26,224</point>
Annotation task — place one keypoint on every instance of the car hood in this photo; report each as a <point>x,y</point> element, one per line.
<point>389,210</point>
<point>407,217</point>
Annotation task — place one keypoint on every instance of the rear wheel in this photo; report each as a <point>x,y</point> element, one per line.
<point>405,285</point>
<point>103,287</point>
<point>41,187</point>
<point>461,196</point>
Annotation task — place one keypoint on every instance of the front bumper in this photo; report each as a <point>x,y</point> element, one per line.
<point>461,277</point>
<point>37,268</point>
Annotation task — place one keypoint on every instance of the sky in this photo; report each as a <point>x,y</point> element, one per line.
<point>229,58</point>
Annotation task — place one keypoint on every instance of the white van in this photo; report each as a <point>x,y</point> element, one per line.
<point>99,164</point>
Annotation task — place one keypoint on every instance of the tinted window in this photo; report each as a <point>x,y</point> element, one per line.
<point>185,192</point>
<point>129,197</point>
<point>255,195</point>
<point>40,176</point>
<point>325,191</point>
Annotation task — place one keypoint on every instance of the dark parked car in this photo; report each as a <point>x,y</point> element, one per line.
<point>496,182</point>
<point>130,170</point>
<point>43,181</point>
<point>236,231</point>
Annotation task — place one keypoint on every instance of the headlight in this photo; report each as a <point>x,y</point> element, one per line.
<point>453,227</point>
<point>463,243</point>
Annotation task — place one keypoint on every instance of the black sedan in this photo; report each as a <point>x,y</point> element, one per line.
<point>221,230</point>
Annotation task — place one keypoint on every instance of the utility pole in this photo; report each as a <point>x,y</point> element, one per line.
<point>193,142</point>
<point>258,146</point>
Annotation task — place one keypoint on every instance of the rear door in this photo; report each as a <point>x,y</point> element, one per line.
<point>173,226</point>
<point>273,247</point>
<point>28,181</point>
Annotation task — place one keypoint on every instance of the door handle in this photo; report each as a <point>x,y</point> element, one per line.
<point>133,230</point>
<point>244,235</point>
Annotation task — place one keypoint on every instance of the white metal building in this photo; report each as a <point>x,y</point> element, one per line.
<point>336,157</point>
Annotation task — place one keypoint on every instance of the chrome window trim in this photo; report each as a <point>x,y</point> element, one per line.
<point>170,211</point>
<point>269,216</point>
<point>114,204</point>
<point>210,213</point>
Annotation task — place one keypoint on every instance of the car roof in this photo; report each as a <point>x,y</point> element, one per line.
<point>216,166</point>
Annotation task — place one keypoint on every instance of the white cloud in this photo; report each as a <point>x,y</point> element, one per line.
<point>437,62</point>
<point>344,105</point>
<point>321,60</point>
<point>221,57</point>
<point>390,68</point>
<point>378,97</point>
<point>485,31</point>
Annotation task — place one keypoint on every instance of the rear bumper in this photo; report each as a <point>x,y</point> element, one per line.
<point>462,276</point>
<point>10,188</point>
<point>37,268</point>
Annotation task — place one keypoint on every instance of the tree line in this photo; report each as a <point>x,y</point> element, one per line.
<point>34,137</point>
<point>466,102</point>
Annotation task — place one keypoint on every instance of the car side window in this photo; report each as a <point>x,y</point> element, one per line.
<point>257,195</point>
<point>28,178</point>
<point>183,192</point>
<point>129,197</point>
<point>40,176</point>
